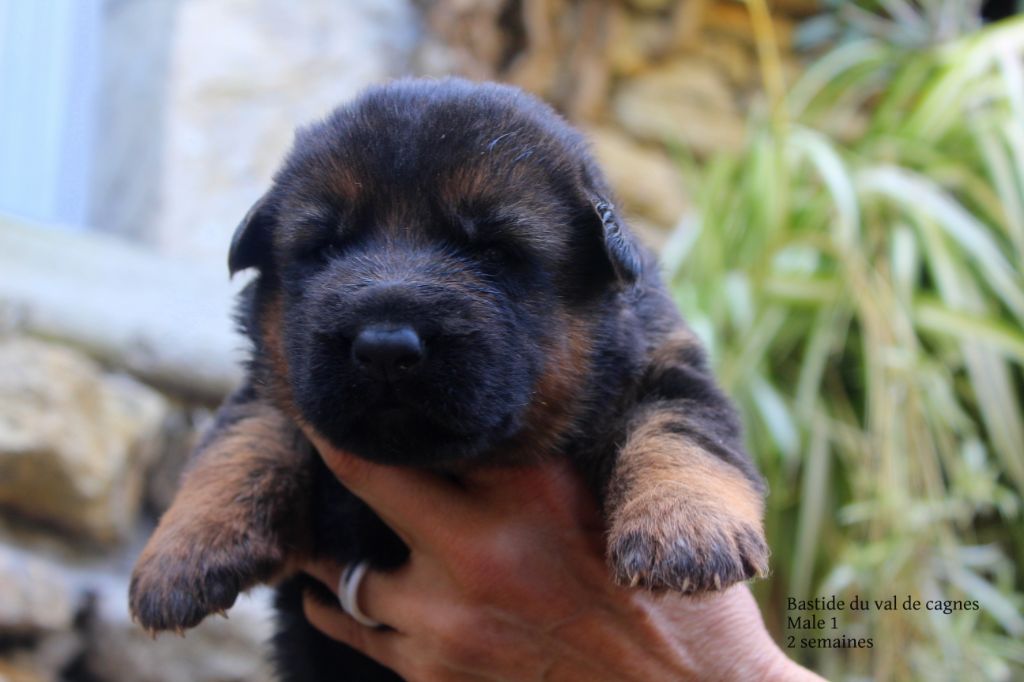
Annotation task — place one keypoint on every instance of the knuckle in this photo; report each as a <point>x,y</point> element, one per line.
<point>500,559</point>
<point>458,638</point>
<point>347,467</point>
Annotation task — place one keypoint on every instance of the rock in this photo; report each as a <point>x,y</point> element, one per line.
<point>651,5</point>
<point>734,19</point>
<point>69,611</point>
<point>74,441</point>
<point>645,179</point>
<point>688,23</point>
<point>45,659</point>
<point>686,102</point>
<point>795,8</point>
<point>218,650</point>
<point>731,56</point>
<point>636,41</point>
<point>465,38</point>
<point>243,75</point>
<point>19,672</point>
<point>38,604</point>
<point>161,319</point>
<point>180,436</point>
<point>34,594</point>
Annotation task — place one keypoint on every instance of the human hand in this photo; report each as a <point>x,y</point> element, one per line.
<point>507,581</point>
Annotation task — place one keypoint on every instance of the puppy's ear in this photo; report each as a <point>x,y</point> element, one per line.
<point>250,247</point>
<point>619,246</point>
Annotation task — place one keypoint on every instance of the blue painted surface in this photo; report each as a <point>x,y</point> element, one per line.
<point>49,53</point>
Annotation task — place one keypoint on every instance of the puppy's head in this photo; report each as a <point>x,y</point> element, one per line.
<point>439,253</point>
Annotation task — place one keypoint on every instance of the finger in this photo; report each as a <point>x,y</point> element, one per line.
<point>328,573</point>
<point>383,596</point>
<point>417,505</point>
<point>383,646</point>
<point>391,649</point>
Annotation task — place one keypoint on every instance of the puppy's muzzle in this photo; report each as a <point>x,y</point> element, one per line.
<point>387,353</point>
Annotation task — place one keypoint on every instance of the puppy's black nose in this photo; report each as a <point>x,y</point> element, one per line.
<point>387,352</point>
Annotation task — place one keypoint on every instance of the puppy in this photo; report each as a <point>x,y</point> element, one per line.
<point>444,283</point>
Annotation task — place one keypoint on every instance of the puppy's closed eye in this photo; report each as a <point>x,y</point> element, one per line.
<point>320,251</point>
<point>501,253</point>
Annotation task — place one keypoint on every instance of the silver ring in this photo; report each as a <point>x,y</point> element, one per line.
<point>348,593</point>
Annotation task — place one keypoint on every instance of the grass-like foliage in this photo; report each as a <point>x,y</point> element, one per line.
<point>857,273</point>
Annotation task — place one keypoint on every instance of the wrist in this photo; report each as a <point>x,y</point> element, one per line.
<point>733,643</point>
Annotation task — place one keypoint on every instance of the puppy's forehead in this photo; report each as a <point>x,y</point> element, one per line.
<point>477,152</point>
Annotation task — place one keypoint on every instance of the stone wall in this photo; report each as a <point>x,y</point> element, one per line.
<point>83,450</point>
<point>642,77</point>
<point>237,93</point>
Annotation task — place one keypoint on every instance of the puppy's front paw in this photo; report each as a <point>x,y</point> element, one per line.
<point>669,541</point>
<point>182,578</point>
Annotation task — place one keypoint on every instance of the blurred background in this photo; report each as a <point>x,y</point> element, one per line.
<point>836,189</point>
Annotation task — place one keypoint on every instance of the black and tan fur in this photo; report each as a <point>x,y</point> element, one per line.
<point>475,215</point>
